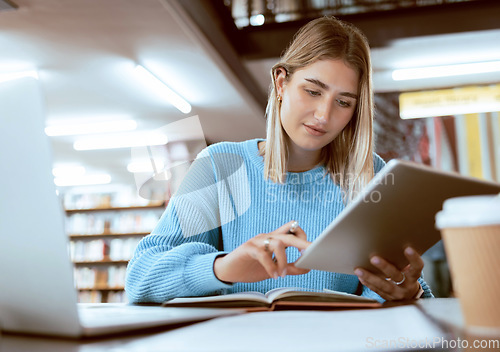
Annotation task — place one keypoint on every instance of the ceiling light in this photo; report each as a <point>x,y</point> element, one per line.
<point>84,180</point>
<point>445,71</point>
<point>120,141</point>
<point>90,128</point>
<point>67,171</point>
<point>257,20</point>
<point>16,75</point>
<point>148,166</point>
<point>458,109</point>
<point>159,87</point>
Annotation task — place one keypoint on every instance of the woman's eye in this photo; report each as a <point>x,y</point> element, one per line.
<point>343,103</point>
<point>312,92</point>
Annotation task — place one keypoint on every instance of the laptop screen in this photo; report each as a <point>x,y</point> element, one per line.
<point>38,293</point>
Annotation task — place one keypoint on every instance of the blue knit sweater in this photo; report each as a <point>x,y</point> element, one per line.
<point>225,198</point>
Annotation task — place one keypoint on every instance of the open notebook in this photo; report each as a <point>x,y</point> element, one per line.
<point>278,298</point>
<point>37,292</point>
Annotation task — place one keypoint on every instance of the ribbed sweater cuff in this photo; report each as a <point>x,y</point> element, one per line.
<point>427,290</point>
<point>200,276</point>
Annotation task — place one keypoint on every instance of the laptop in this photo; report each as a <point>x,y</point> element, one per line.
<point>37,294</point>
<point>397,209</point>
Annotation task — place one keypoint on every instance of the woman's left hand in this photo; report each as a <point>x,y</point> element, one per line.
<point>398,285</point>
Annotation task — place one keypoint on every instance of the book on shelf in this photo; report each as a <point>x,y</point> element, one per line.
<point>119,199</point>
<point>117,249</point>
<point>102,297</point>
<point>90,297</point>
<point>110,278</point>
<point>279,298</point>
<point>129,221</point>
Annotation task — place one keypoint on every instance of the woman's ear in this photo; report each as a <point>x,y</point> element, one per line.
<point>280,75</point>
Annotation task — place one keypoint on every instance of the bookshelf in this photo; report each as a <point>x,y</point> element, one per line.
<point>103,235</point>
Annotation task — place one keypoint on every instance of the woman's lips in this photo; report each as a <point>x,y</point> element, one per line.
<point>314,130</point>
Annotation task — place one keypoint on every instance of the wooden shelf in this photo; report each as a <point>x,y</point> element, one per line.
<point>101,262</point>
<point>107,219</point>
<point>102,288</point>
<point>108,234</point>
<point>138,207</point>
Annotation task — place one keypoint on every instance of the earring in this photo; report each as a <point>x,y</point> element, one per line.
<point>279,99</point>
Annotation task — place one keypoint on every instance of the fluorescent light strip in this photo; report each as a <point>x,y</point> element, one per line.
<point>457,109</point>
<point>159,87</point>
<point>145,166</point>
<point>68,171</point>
<point>445,71</point>
<point>99,179</point>
<point>4,77</point>
<point>90,128</point>
<point>120,141</point>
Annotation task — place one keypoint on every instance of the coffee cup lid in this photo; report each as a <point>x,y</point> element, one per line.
<point>469,211</point>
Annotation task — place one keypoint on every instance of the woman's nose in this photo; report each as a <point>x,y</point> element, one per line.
<point>322,113</point>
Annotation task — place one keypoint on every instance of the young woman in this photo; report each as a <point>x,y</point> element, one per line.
<point>233,225</point>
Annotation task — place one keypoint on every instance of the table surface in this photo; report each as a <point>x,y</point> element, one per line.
<point>429,324</point>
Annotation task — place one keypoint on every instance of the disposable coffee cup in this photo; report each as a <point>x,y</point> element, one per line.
<point>470,228</point>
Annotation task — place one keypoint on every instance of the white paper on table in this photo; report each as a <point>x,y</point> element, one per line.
<point>386,329</point>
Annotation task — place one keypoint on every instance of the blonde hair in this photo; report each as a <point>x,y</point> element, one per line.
<point>349,157</point>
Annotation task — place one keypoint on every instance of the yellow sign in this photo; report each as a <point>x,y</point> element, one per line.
<point>446,102</point>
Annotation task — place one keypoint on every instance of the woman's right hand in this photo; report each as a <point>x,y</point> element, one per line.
<point>253,260</point>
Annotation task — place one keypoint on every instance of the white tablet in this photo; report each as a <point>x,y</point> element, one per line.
<point>396,210</point>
